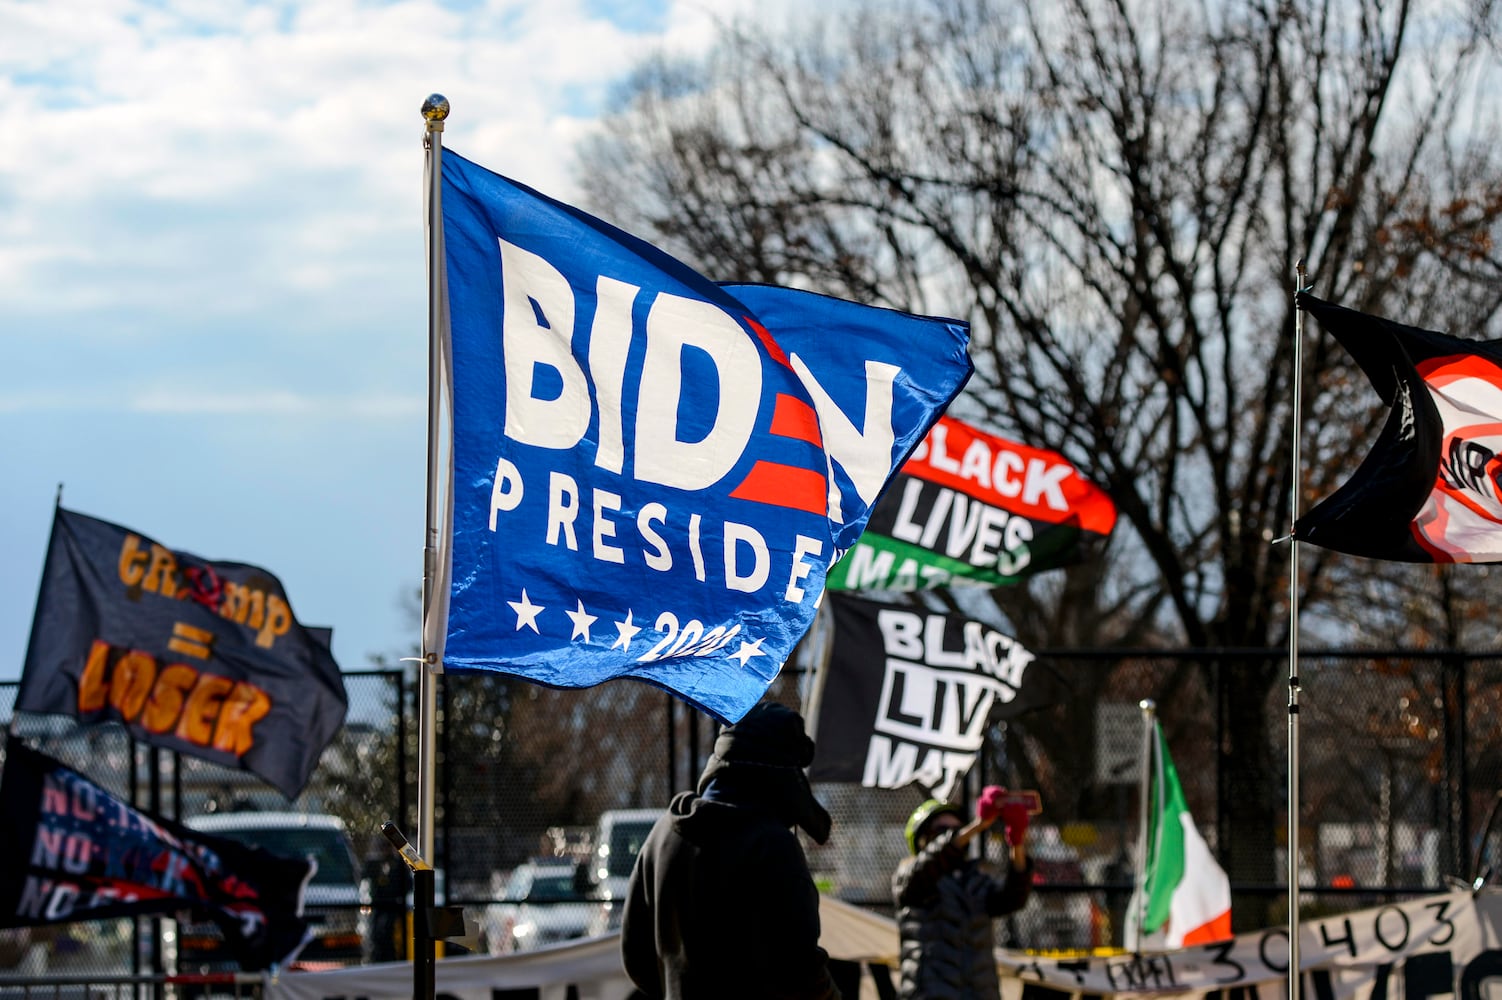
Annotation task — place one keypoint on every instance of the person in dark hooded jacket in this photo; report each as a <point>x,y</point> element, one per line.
<point>947,899</point>
<point>720,904</point>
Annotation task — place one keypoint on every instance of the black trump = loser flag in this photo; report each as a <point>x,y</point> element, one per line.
<point>76,852</point>
<point>197,656</point>
<point>1428,491</point>
<point>907,694</point>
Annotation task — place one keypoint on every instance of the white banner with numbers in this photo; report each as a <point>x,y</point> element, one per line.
<point>1434,946</point>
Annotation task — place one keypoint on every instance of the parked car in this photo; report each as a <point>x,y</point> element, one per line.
<point>1060,914</point>
<point>619,835</point>
<point>331,902</point>
<point>543,905</point>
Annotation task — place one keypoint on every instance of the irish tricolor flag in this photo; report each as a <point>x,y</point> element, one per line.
<point>1185,897</point>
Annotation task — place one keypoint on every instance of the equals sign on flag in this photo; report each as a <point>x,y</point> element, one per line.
<point>190,641</point>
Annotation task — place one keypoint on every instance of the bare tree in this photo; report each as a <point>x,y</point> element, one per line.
<point>1113,193</point>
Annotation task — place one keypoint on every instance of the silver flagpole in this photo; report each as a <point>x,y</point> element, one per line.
<point>1293,644</point>
<point>434,110</point>
<point>1139,898</point>
<point>819,645</point>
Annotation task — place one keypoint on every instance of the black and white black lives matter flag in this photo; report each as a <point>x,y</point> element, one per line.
<point>907,694</point>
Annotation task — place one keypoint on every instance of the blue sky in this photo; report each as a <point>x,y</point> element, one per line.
<point>212,270</point>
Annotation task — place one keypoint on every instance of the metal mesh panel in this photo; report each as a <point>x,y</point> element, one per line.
<point>538,779</point>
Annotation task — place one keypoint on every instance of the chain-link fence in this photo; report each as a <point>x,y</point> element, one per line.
<point>541,794</point>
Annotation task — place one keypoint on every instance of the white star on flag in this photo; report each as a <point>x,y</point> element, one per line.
<point>628,632</point>
<point>526,612</point>
<point>747,650</point>
<point>582,621</point>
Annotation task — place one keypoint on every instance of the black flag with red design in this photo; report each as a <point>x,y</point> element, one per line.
<point>1429,489</point>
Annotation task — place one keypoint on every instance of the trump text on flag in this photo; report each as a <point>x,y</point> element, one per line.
<point>199,656</point>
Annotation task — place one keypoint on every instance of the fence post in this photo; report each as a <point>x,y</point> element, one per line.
<point>400,677</point>
<point>1222,807</point>
<point>440,844</point>
<point>672,742</point>
<point>1457,779</point>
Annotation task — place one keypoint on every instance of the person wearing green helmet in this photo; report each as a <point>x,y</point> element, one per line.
<point>946,899</point>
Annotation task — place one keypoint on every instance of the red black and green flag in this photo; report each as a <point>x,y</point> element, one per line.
<point>1428,491</point>
<point>970,507</point>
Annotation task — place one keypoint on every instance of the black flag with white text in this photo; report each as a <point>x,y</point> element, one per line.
<point>907,694</point>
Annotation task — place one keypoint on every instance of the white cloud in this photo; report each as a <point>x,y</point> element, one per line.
<point>212,272</point>
<point>275,402</point>
<point>163,138</point>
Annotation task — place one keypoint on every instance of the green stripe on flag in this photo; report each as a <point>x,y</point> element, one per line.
<point>881,562</point>
<point>878,562</point>
<point>1165,837</point>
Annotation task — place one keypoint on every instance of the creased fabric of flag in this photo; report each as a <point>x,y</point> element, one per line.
<point>202,657</point>
<point>652,472</point>
<point>1428,489</point>
<point>973,508</point>
<point>77,852</point>
<point>1185,898</point>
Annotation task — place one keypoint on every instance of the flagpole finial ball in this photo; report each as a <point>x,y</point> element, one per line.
<point>435,108</point>
<point>1148,706</point>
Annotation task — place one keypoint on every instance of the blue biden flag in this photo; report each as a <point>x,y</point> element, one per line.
<point>653,472</point>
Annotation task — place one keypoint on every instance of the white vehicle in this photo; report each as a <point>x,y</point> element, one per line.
<point>618,839</point>
<point>331,901</point>
<point>542,906</point>
<point>1058,920</point>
